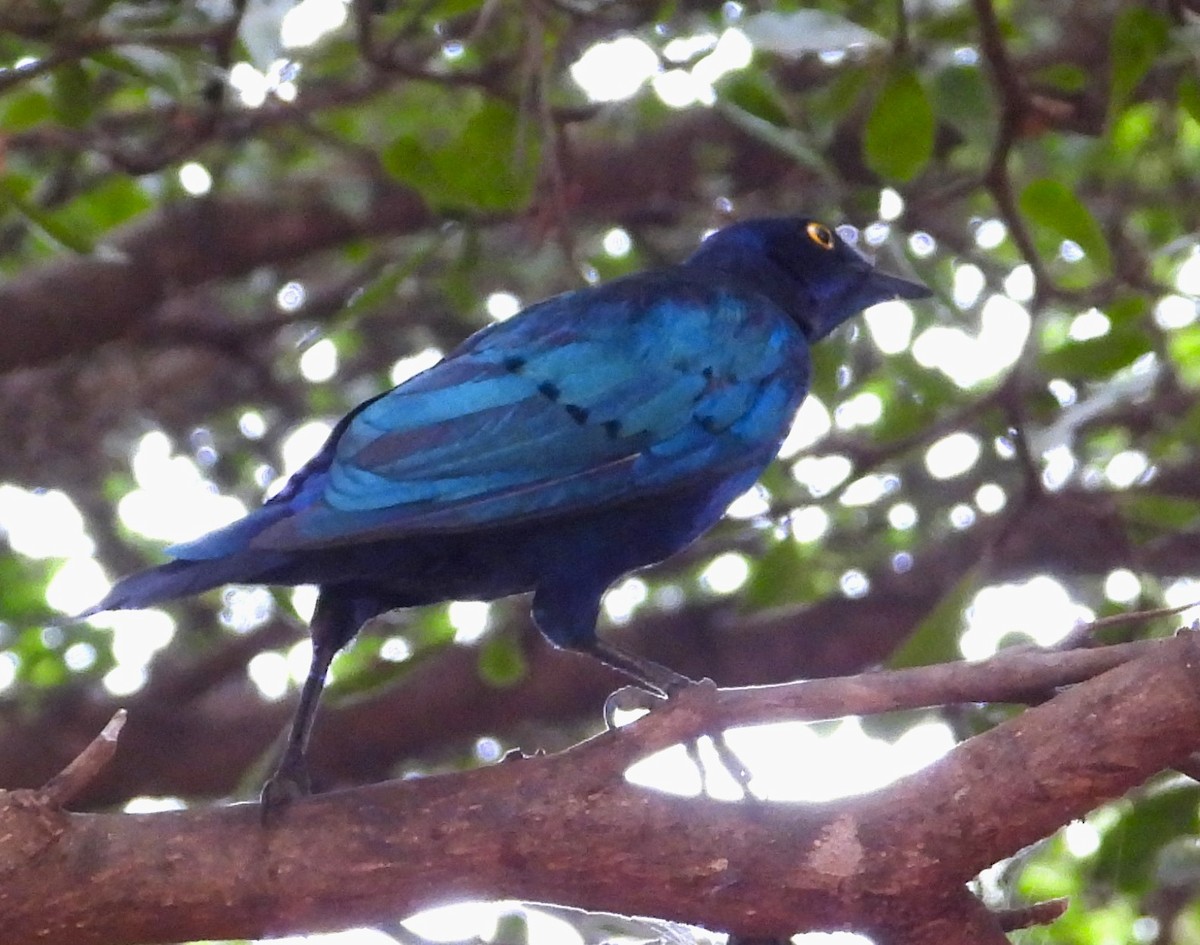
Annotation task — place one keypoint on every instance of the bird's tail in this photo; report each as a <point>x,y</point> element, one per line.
<point>171,580</point>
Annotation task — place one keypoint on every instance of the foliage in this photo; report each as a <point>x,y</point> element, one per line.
<point>373,193</point>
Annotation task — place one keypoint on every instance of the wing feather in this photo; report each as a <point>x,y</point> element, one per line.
<point>567,407</point>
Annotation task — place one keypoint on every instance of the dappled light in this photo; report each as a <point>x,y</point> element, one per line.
<point>224,226</point>
<point>794,763</point>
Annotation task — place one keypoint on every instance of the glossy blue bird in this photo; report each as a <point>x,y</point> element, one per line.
<point>592,434</point>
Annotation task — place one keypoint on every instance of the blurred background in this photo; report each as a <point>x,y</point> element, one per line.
<point>224,224</point>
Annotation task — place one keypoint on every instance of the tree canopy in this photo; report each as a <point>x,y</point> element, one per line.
<point>223,225</point>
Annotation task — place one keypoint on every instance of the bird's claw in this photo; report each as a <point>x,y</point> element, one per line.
<point>290,782</point>
<point>629,699</point>
<point>682,684</point>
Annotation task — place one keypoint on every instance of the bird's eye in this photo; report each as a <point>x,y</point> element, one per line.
<point>820,234</point>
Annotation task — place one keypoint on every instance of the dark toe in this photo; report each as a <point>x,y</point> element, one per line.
<point>281,789</point>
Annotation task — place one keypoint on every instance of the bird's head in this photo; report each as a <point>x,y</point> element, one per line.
<point>818,277</point>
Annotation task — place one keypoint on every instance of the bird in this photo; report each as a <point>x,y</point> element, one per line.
<point>592,434</point>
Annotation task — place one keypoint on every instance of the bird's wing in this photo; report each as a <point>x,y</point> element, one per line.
<point>586,399</point>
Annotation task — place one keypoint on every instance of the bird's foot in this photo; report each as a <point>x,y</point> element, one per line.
<point>661,679</point>
<point>700,688</point>
<point>701,696</point>
<point>642,697</point>
<point>646,673</point>
<point>290,782</point>
<point>629,699</point>
<point>733,765</point>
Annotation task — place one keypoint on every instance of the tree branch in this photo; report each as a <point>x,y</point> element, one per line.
<point>75,303</point>
<point>568,828</point>
<point>65,786</point>
<point>216,734</point>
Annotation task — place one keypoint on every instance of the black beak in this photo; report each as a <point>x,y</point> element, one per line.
<point>880,287</point>
<point>860,287</point>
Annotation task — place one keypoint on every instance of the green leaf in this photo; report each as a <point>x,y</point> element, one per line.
<point>1096,358</point>
<point>1126,310</point>
<point>501,174</point>
<point>24,582</point>
<point>1128,851</point>
<point>478,159</point>
<point>501,662</point>
<point>435,11</point>
<point>1131,131</point>
<point>912,396</point>
<point>53,227</point>
<point>513,928</point>
<point>1177,865</point>
<point>115,200</point>
<point>359,671</point>
<point>899,133</point>
<point>1168,513</point>
<point>72,95</point>
<point>789,573</point>
<point>1139,35</point>
<point>753,94</point>
<point>1051,206</point>
<point>1189,96</point>
<point>432,628</point>
<point>1063,75</point>
<point>936,638</point>
<point>910,386</point>
<point>380,290</point>
<point>1051,875</point>
<point>826,359</point>
<point>149,67</point>
<point>24,109</point>
<point>45,671</point>
<point>786,140</point>
<point>963,99</point>
<point>893,726</point>
<point>1184,347</point>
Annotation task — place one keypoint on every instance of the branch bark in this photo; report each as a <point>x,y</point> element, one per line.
<point>74,303</point>
<point>568,828</point>
<point>200,742</point>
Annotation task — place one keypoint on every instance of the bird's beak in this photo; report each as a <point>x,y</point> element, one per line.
<point>862,287</point>
<point>879,286</point>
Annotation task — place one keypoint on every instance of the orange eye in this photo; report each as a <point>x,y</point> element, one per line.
<point>820,234</point>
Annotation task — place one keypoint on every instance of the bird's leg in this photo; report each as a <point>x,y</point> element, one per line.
<point>290,779</point>
<point>566,609</point>
<point>647,673</point>
<point>655,676</point>
<point>333,624</point>
<point>644,672</point>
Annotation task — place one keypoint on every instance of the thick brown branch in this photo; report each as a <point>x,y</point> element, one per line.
<point>76,303</point>
<point>217,733</point>
<point>569,829</point>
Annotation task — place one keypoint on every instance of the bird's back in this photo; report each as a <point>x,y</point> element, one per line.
<point>633,409</point>
<point>592,399</point>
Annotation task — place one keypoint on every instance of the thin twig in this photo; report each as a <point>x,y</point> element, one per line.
<point>1040,913</point>
<point>86,767</point>
<point>1013,105</point>
<point>992,40</point>
<point>1138,616</point>
<point>1021,675</point>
